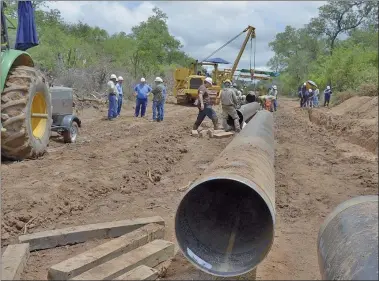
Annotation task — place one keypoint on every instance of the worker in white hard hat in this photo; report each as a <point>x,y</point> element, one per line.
<point>308,97</point>
<point>120,94</point>
<point>112,99</point>
<point>303,91</point>
<point>141,92</point>
<point>327,95</point>
<point>204,104</point>
<point>274,94</point>
<point>229,103</point>
<point>159,94</point>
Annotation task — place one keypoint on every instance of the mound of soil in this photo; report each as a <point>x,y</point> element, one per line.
<point>356,119</point>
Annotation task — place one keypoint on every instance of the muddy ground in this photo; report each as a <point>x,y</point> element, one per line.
<point>103,178</point>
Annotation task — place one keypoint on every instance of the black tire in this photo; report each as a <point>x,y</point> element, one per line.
<point>71,135</point>
<point>18,142</point>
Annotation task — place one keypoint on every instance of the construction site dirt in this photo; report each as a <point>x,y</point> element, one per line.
<point>131,167</point>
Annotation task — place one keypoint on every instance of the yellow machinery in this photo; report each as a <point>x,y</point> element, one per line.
<point>188,80</point>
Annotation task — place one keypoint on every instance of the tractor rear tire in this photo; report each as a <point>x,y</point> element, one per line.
<point>22,86</point>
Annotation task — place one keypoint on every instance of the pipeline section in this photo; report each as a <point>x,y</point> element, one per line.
<point>245,113</point>
<point>225,222</point>
<point>347,243</point>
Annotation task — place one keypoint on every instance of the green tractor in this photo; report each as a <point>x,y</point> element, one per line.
<point>26,107</point>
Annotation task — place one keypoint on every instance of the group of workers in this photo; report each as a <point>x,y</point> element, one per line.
<point>142,92</point>
<point>230,98</point>
<point>310,97</point>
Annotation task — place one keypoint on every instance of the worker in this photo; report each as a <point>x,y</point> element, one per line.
<point>308,97</point>
<point>141,92</point>
<point>112,92</point>
<point>327,95</point>
<point>117,94</point>
<point>229,103</point>
<point>303,91</point>
<point>204,105</point>
<point>316,97</point>
<point>158,92</point>
<point>274,93</point>
<point>120,94</point>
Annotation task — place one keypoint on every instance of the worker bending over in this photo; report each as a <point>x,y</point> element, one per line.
<point>112,97</point>
<point>229,103</point>
<point>120,94</point>
<point>159,93</point>
<point>141,92</point>
<point>204,105</point>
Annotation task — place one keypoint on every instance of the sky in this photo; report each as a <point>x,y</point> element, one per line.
<point>201,26</point>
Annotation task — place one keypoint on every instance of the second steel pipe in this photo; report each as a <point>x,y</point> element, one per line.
<point>245,113</point>
<point>225,223</point>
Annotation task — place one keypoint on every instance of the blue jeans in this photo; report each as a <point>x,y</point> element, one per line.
<point>112,113</point>
<point>158,110</point>
<point>315,101</point>
<point>275,104</point>
<point>119,104</point>
<point>163,103</point>
<point>141,105</point>
<point>208,111</point>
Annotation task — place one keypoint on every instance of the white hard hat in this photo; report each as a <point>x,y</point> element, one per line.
<point>274,87</point>
<point>113,76</point>
<point>120,78</point>
<point>143,79</point>
<point>158,79</point>
<point>310,90</point>
<point>305,83</point>
<point>328,87</point>
<point>208,80</point>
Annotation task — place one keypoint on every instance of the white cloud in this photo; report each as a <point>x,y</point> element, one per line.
<point>202,27</point>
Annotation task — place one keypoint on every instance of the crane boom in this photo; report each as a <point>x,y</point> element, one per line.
<point>250,34</point>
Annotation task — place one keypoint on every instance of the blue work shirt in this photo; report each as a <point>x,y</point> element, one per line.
<point>142,90</point>
<point>164,92</point>
<point>119,88</point>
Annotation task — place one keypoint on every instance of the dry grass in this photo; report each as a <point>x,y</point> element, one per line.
<point>370,90</point>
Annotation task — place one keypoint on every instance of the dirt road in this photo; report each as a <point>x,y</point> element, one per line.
<point>103,178</point>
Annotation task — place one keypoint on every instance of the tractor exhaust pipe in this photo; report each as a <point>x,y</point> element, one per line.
<point>347,243</point>
<point>224,224</point>
<point>245,113</point>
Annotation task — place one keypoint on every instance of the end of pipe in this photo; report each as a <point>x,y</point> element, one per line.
<point>224,226</point>
<point>230,120</point>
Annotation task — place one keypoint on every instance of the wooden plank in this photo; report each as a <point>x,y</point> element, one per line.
<point>150,254</point>
<point>141,272</point>
<point>223,135</point>
<point>79,234</point>
<point>105,252</point>
<point>13,261</point>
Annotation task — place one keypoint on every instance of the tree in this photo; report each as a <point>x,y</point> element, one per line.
<point>338,17</point>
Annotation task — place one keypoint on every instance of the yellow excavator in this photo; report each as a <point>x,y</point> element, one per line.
<point>188,80</point>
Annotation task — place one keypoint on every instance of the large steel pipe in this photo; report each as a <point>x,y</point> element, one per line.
<point>348,241</point>
<point>225,222</point>
<point>245,113</point>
